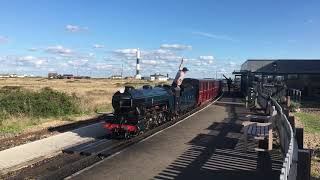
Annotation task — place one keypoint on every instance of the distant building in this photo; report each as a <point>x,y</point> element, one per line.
<point>22,76</point>
<point>149,78</point>
<point>116,77</point>
<point>159,77</point>
<point>13,75</point>
<point>67,76</point>
<point>297,74</point>
<point>52,75</point>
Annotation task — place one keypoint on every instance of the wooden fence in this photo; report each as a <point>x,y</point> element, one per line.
<point>285,131</point>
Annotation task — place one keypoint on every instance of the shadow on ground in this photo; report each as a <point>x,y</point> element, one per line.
<point>219,154</point>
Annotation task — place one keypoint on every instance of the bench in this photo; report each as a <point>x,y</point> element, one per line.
<point>259,131</point>
<point>259,128</point>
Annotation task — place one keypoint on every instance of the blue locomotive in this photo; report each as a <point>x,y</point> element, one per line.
<point>139,110</point>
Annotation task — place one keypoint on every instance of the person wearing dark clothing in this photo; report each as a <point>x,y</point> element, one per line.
<point>229,81</point>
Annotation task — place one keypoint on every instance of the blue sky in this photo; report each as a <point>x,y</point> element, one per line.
<point>97,37</point>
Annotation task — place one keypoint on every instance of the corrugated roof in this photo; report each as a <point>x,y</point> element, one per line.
<point>285,66</point>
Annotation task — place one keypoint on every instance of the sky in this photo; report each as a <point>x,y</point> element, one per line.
<point>99,38</point>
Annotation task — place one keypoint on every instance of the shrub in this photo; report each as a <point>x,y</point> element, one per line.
<point>294,106</point>
<point>45,103</point>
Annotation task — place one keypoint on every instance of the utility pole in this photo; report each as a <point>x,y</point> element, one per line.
<point>122,70</point>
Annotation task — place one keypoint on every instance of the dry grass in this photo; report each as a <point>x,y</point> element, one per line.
<point>95,95</point>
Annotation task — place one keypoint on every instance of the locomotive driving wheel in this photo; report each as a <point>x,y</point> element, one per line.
<point>127,135</point>
<point>148,122</point>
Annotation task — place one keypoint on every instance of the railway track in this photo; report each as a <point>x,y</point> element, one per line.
<point>78,157</point>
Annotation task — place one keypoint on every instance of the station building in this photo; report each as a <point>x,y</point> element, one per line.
<point>301,74</point>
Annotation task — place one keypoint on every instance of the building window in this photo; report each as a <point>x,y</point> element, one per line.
<point>292,76</point>
<point>280,78</point>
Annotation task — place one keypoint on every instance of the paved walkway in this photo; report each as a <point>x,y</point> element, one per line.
<point>207,145</point>
<point>23,155</point>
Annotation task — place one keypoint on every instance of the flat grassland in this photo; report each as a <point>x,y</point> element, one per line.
<point>95,96</point>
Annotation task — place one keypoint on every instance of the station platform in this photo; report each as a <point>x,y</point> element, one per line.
<point>26,154</point>
<point>207,145</point>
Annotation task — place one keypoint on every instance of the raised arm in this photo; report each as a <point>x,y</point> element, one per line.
<point>180,67</point>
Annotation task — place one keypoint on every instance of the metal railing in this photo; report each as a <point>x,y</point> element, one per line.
<point>295,94</point>
<point>283,127</point>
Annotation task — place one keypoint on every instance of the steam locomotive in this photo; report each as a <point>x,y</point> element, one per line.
<point>139,110</point>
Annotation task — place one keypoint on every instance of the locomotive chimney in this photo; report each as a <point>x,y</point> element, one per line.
<point>138,76</point>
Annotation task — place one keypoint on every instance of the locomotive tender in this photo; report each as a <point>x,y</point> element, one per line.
<point>139,110</point>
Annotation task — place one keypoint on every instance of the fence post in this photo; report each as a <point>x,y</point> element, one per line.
<point>292,122</point>
<point>256,99</point>
<point>304,164</point>
<point>299,137</point>
<point>286,112</point>
<point>300,94</point>
<point>288,101</point>
<point>247,102</point>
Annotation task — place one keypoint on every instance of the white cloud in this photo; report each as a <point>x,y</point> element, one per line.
<point>98,46</point>
<point>160,54</point>
<point>77,63</point>
<point>103,66</point>
<point>125,53</point>
<point>91,55</point>
<point>206,57</point>
<point>74,28</point>
<point>33,49</point>
<point>26,58</point>
<point>63,65</point>
<point>233,65</point>
<point>58,50</point>
<point>215,36</point>
<point>176,46</point>
<point>3,39</point>
<point>222,70</point>
<point>31,60</point>
<point>149,62</point>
